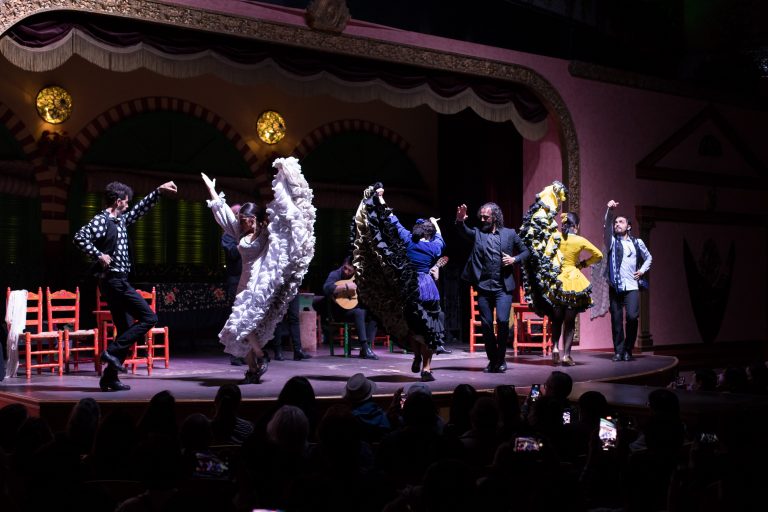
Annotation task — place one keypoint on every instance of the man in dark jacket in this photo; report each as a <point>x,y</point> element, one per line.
<point>489,271</point>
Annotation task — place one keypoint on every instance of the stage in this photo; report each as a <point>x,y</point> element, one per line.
<point>194,378</point>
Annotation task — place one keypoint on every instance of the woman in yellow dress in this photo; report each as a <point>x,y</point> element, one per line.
<point>572,292</point>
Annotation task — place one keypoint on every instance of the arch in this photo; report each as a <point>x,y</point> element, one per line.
<point>102,122</point>
<point>14,11</point>
<point>320,134</point>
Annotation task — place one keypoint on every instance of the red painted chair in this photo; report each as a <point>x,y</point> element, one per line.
<point>531,330</point>
<point>475,327</point>
<point>46,347</point>
<point>63,311</point>
<point>152,345</point>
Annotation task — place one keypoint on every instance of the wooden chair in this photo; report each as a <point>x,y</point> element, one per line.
<point>48,345</point>
<point>63,311</point>
<point>153,346</point>
<point>475,325</point>
<point>104,320</point>
<point>340,331</point>
<point>531,330</point>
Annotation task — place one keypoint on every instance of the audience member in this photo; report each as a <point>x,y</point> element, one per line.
<point>226,425</point>
<point>358,392</point>
<point>159,417</point>
<point>462,400</point>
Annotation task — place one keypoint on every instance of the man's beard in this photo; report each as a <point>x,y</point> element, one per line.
<point>486,227</point>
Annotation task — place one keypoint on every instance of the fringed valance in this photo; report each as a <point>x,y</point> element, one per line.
<point>40,45</point>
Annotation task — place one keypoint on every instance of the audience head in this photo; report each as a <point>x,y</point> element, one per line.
<point>12,416</point>
<point>664,402</point>
<point>289,429</point>
<point>82,424</point>
<point>484,415</point>
<point>558,386</point>
<point>464,397</point>
<point>227,398</point>
<point>160,415</point>
<point>359,389</point>
<point>196,433</point>
<point>592,406</point>
<point>704,379</point>
<point>419,409</point>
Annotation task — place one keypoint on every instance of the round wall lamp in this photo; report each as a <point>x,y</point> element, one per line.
<point>271,127</point>
<point>54,104</point>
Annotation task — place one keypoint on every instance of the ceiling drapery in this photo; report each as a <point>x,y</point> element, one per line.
<point>39,44</point>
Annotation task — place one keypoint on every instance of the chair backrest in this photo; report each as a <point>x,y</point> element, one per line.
<point>150,297</point>
<point>63,308</point>
<point>101,304</point>
<point>34,309</point>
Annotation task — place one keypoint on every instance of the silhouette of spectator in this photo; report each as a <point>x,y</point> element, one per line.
<point>82,425</point>
<point>448,486</point>
<point>159,417</point>
<point>704,379</point>
<point>198,459</point>
<point>358,392</point>
<point>510,415</point>
<point>462,400</point>
<point>116,436</point>
<point>480,441</point>
<point>158,458</point>
<point>757,378</point>
<point>733,380</point>
<point>12,417</point>
<point>227,426</point>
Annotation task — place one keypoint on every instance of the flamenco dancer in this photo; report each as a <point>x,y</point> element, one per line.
<point>396,271</point>
<point>276,244</point>
<point>553,281</point>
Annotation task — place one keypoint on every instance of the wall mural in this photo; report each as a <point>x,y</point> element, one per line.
<point>709,284</point>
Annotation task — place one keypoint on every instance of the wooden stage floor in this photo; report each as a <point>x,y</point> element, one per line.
<point>195,377</point>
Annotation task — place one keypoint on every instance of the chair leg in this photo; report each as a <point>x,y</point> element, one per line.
<point>347,350</point>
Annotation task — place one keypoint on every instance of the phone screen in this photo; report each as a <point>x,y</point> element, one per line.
<point>403,396</point>
<point>607,433</point>
<point>527,444</point>
<point>566,416</point>
<point>708,438</point>
<point>535,391</point>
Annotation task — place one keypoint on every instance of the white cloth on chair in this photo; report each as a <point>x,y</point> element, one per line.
<point>15,319</point>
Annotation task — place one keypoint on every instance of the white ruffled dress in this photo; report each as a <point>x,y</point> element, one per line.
<point>274,263</point>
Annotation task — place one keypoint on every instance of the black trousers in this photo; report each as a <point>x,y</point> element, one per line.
<point>130,313</point>
<point>625,311</point>
<point>289,326</point>
<point>364,324</point>
<point>495,344</point>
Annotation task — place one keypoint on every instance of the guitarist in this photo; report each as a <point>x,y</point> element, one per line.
<point>340,287</point>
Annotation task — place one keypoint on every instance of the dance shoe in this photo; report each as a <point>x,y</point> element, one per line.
<point>112,385</point>
<point>111,360</point>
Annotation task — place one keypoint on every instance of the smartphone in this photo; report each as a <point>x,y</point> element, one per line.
<point>607,433</point>
<point>680,381</point>
<point>535,392</point>
<point>527,444</point>
<point>403,396</point>
<point>566,416</point>
<point>708,438</point>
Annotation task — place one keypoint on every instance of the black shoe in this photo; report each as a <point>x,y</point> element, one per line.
<point>491,368</point>
<point>427,376</point>
<point>254,376</point>
<point>367,353</point>
<point>416,364</point>
<point>442,349</point>
<point>279,355</point>
<point>502,367</point>
<point>111,360</point>
<point>298,355</point>
<point>112,385</point>
<point>617,357</point>
<point>627,357</point>
<point>237,361</point>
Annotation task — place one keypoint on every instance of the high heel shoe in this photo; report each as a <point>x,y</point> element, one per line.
<point>568,361</point>
<point>254,376</point>
<point>555,357</point>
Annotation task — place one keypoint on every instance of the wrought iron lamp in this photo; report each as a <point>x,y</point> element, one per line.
<point>270,127</point>
<point>54,104</point>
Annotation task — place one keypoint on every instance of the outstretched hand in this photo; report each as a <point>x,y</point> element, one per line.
<point>168,189</point>
<point>210,183</point>
<point>461,213</point>
<point>612,204</point>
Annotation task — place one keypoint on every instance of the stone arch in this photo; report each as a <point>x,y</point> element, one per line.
<point>314,138</point>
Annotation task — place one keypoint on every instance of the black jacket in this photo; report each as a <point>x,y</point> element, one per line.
<point>510,244</point>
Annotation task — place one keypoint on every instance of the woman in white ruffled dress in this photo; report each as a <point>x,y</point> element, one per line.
<point>276,245</point>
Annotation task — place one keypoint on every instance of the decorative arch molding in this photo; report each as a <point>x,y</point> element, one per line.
<point>313,139</point>
<point>102,122</point>
<point>13,11</point>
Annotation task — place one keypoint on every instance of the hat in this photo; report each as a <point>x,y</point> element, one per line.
<point>359,388</point>
<point>418,387</point>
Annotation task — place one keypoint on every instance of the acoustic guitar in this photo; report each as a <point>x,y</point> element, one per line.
<point>349,300</point>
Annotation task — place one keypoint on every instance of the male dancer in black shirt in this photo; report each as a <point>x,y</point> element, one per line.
<point>105,239</point>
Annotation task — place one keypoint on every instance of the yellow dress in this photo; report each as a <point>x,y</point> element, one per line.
<point>574,289</point>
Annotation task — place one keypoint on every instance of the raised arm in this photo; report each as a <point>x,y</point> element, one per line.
<point>222,213</point>
<point>610,216</point>
<point>461,225</point>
